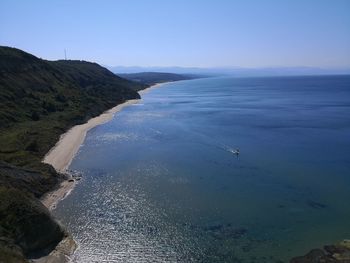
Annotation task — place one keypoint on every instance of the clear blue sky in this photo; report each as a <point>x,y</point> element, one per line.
<point>202,33</point>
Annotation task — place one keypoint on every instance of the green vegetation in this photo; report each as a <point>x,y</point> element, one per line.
<point>39,100</point>
<point>152,78</point>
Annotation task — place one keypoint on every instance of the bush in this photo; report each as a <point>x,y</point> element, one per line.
<point>35,116</point>
<point>49,106</point>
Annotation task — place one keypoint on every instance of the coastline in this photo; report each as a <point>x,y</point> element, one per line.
<point>62,154</point>
<point>60,157</point>
<point>157,85</point>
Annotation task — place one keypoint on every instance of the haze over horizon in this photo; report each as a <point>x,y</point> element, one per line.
<point>202,131</point>
<point>247,34</point>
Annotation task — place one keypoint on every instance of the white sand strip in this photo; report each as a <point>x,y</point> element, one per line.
<point>152,87</point>
<point>62,154</point>
<point>60,157</point>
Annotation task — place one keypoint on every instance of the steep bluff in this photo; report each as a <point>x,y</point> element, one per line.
<point>39,100</point>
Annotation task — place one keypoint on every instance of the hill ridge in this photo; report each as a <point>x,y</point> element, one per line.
<point>40,100</point>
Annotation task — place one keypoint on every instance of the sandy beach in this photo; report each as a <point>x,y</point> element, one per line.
<point>62,154</point>
<point>60,157</point>
<point>152,87</point>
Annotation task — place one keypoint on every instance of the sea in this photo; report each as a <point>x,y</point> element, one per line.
<point>163,180</point>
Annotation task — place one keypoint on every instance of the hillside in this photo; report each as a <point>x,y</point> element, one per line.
<point>152,78</point>
<point>39,100</point>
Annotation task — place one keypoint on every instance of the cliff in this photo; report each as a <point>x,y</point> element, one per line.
<point>39,100</point>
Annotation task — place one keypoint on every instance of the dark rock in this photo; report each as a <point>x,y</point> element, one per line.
<point>338,253</point>
<point>314,256</point>
<point>332,249</point>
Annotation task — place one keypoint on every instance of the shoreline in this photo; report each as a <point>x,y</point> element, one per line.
<point>60,157</point>
<point>62,154</point>
<point>64,151</point>
<point>157,85</point>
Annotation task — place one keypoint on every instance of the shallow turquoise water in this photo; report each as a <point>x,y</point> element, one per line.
<point>161,184</point>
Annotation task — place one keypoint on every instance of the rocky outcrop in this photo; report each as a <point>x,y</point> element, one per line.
<point>338,253</point>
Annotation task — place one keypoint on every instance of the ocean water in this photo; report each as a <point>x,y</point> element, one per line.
<point>161,182</point>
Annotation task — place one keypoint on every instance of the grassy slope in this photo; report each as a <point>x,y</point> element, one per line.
<point>39,100</point>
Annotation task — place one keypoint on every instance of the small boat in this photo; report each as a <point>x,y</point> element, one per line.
<point>236,151</point>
